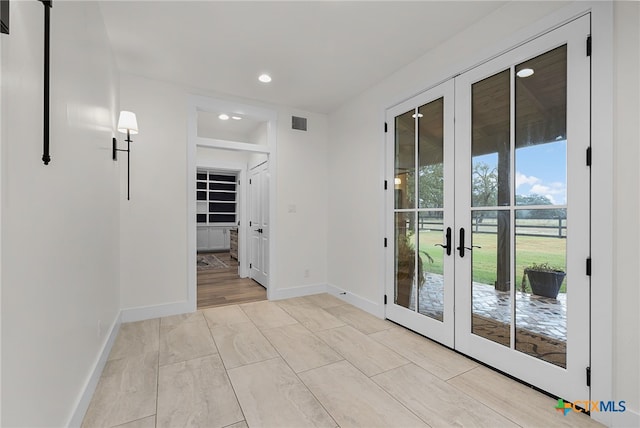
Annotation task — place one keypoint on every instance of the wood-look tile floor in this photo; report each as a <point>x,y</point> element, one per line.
<point>220,287</point>
<point>302,362</point>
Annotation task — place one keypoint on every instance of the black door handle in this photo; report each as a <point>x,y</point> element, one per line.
<point>448,245</point>
<point>258,230</point>
<point>461,242</point>
<point>461,248</point>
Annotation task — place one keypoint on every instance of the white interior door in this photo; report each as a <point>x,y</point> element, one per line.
<point>259,223</point>
<point>516,170</point>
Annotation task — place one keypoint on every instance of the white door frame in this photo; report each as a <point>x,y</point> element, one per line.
<point>601,172</point>
<point>199,103</point>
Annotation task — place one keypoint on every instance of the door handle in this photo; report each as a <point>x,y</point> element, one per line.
<point>258,230</point>
<point>448,244</point>
<point>461,247</point>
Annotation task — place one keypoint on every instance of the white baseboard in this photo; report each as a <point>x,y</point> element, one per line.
<point>627,419</point>
<point>92,382</point>
<point>304,290</point>
<point>156,311</point>
<point>376,309</point>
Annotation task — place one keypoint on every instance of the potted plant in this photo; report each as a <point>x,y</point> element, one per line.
<point>545,280</point>
<point>405,270</point>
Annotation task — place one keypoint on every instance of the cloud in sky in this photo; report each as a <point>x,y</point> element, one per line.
<point>556,192</point>
<point>523,179</point>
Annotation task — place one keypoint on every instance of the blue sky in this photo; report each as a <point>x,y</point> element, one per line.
<point>540,169</point>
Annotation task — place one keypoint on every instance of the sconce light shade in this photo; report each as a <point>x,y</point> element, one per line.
<point>127,122</point>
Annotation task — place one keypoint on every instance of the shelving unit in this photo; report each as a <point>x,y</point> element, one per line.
<point>216,209</point>
<point>216,199</point>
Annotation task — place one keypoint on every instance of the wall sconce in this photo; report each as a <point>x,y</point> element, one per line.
<point>128,124</point>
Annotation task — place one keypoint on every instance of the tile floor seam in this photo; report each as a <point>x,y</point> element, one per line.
<point>135,420</point>
<point>318,400</point>
<point>393,368</point>
<point>301,381</point>
<point>400,402</point>
<point>226,372</point>
<point>460,374</point>
<point>226,369</point>
<point>294,372</point>
<point>480,402</point>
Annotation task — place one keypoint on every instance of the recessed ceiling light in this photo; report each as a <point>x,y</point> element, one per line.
<point>419,115</point>
<point>223,117</point>
<point>525,72</point>
<point>236,117</point>
<point>264,78</point>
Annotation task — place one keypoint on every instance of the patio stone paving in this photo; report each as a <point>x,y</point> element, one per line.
<point>541,315</point>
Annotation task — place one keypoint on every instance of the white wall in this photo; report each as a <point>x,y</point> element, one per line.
<point>303,188</point>
<point>59,222</point>
<point>153,224</point>
<point>153,231</point>
<point>209,155</point>
<point>627,204</point>
<point>355,258</point>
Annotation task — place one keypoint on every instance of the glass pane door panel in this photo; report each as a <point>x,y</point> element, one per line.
<point>491,298</point>
<point>541,129</point>
<point>431,263</point>
<point>541,297</point>
<point>405,160</point>
<point>405,261</point>
<point>431,154</point>
<point>490,141</point>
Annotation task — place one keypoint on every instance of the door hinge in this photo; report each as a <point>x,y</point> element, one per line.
<point>250,223</point>
<point>385,299</point>
<point>385,242</point>
<point>250,265</point>
<point>385,127</point>
<point>588,376</point>
<point>588,156</point>
<point>385,184</point>
<point>589,46</point>
<point>589,266</point>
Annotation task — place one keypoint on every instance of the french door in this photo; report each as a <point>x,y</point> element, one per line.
<point>490,213</point>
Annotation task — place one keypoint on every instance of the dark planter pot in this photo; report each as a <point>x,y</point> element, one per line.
<point>544,283</point>
<point>404,282</point>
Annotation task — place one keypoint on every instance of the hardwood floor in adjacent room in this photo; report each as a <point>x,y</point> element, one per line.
<point>220,287</point>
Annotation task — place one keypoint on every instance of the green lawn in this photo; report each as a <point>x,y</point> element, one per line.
<point>529,249</point>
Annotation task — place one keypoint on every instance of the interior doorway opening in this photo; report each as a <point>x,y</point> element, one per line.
<point>228,143</point>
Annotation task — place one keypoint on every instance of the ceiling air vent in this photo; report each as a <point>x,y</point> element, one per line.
<point>299,123</point>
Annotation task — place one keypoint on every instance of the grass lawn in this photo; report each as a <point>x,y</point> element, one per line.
<point>529,249</point>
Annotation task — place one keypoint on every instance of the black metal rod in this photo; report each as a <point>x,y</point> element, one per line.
<point>46,157</point>
<point>128,162</point>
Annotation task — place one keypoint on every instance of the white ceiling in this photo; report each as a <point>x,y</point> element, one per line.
<point>210,126</point>
<point>320,54</point>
